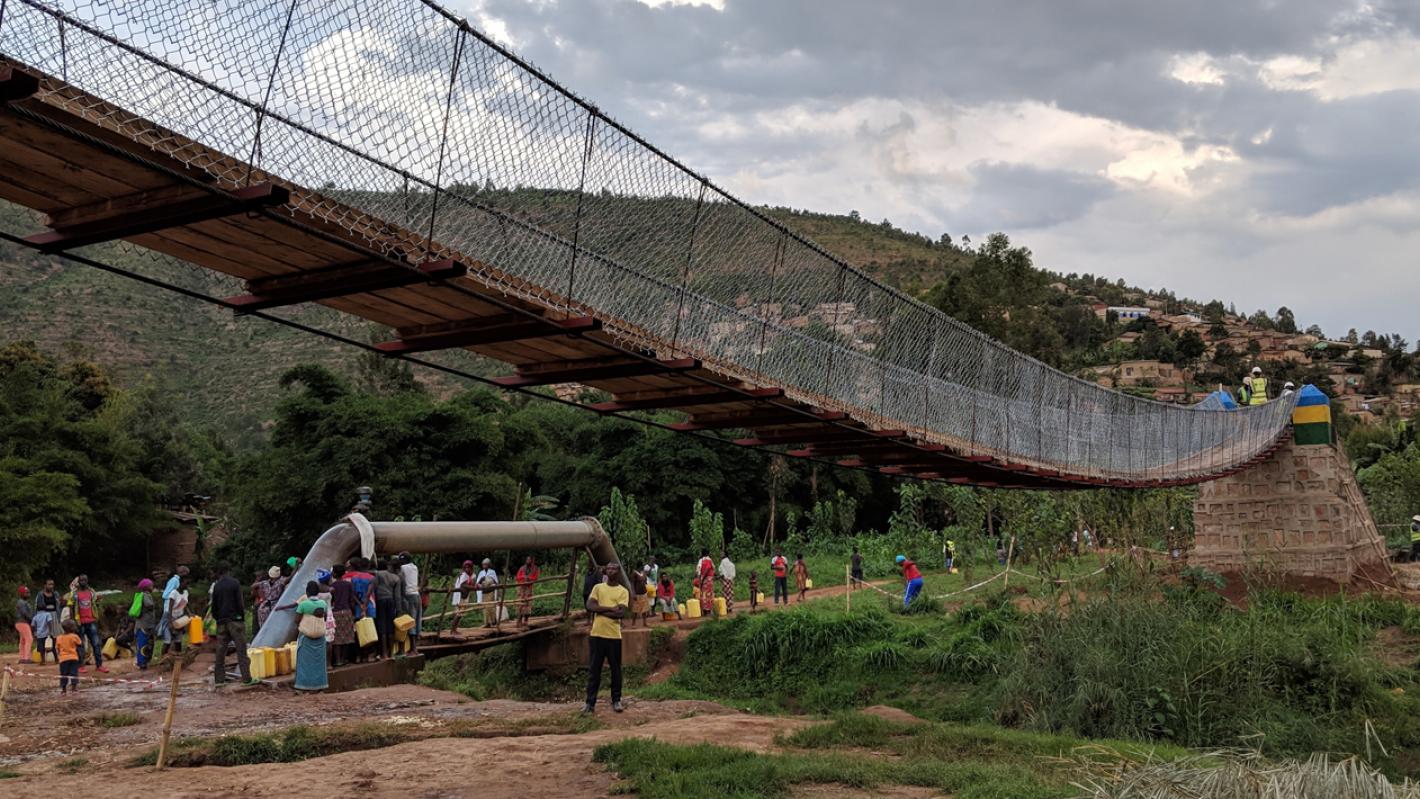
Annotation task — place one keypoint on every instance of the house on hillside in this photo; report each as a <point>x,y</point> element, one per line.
<point>1124,313</point>
<point>1172,394</point>
<point>1101,309</point>
<point>1180,321</point>
<point>1138,373</point>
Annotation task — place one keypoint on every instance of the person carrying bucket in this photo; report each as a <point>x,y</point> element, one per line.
<point>913,579</point>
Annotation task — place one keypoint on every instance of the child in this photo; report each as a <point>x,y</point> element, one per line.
<point>67,645</point>
<point>801,576</point>
<point>753,591</point>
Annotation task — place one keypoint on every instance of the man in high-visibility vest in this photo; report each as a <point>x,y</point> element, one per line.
<point>1257,387</point>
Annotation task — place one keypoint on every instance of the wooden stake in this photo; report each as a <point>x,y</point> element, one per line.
<point>1010,552</point>
<point>848,594</point>
<point>4,692</point>
<point>168,717</point>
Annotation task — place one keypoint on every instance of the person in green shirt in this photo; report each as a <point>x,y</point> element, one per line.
<point>607,603</point>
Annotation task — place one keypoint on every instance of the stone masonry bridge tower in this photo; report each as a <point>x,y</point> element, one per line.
<point>1298,513</point>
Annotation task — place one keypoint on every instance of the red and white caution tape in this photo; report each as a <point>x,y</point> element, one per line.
<point>14,672</point>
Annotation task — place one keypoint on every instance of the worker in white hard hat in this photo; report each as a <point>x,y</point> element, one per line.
<point>1256,387</point>
<point>1288,388</point>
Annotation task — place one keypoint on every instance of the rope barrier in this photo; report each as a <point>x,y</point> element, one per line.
<point>997,576</point>
<point>36,675</point>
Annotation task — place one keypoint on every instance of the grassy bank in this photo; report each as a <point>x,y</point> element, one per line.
<point>866,753</point>
<point>1286,675</point>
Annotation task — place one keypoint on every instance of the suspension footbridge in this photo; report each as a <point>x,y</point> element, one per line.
<point>385,159</point>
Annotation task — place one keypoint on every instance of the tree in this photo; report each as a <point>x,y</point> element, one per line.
<point>1286,322</point>
<point>1214,311</point>
<point>462,458</point>
<point>1315,330</point>
<point>1190,347</point>
<point>75,481</point>
<point>629,533</point>
<point>707,530</point>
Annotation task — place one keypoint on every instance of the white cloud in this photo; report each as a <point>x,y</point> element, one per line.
<point>718,5</point>
<point>1352,68</point>
<point>1195,68</point>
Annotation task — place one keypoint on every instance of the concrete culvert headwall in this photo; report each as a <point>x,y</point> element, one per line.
<point>343,540</point>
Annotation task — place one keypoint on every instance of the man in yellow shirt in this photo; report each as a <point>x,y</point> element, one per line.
<point>607,603</point>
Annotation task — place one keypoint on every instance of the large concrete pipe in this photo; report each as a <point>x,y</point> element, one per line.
<point>338,543</point>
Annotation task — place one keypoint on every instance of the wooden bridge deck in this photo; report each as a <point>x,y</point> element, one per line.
<point>100,174</point>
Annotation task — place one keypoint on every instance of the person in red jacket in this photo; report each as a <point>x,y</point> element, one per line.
<point>780,566</point>
<point>912,577</point>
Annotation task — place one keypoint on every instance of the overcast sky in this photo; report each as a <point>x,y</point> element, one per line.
<point>1260,152</point>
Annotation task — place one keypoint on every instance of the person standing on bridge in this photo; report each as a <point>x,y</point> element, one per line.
<point>465,579</point>
<point>1256,387</point>
<point>607,604</point>
<point>487,584</point>
<point>779,565</point>
<point>912,579</point>
<point>527,579</point>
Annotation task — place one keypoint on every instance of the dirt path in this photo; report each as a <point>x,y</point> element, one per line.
<point>542,766</point>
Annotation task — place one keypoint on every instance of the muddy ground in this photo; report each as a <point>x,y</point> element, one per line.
<point>70,744</point>
<point>59,747</point>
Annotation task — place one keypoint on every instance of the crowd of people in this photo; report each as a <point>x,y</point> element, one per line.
<point>365,610</point>
<point>44,621</point>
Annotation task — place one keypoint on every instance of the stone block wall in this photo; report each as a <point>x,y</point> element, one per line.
<point>1300,513</point>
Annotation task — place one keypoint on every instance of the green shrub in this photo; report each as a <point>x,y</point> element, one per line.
<point>1297,673</point>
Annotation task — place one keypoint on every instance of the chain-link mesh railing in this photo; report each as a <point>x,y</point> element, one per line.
<point>408,125</point>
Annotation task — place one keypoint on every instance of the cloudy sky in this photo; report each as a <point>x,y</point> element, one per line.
<point>1261,152</point>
